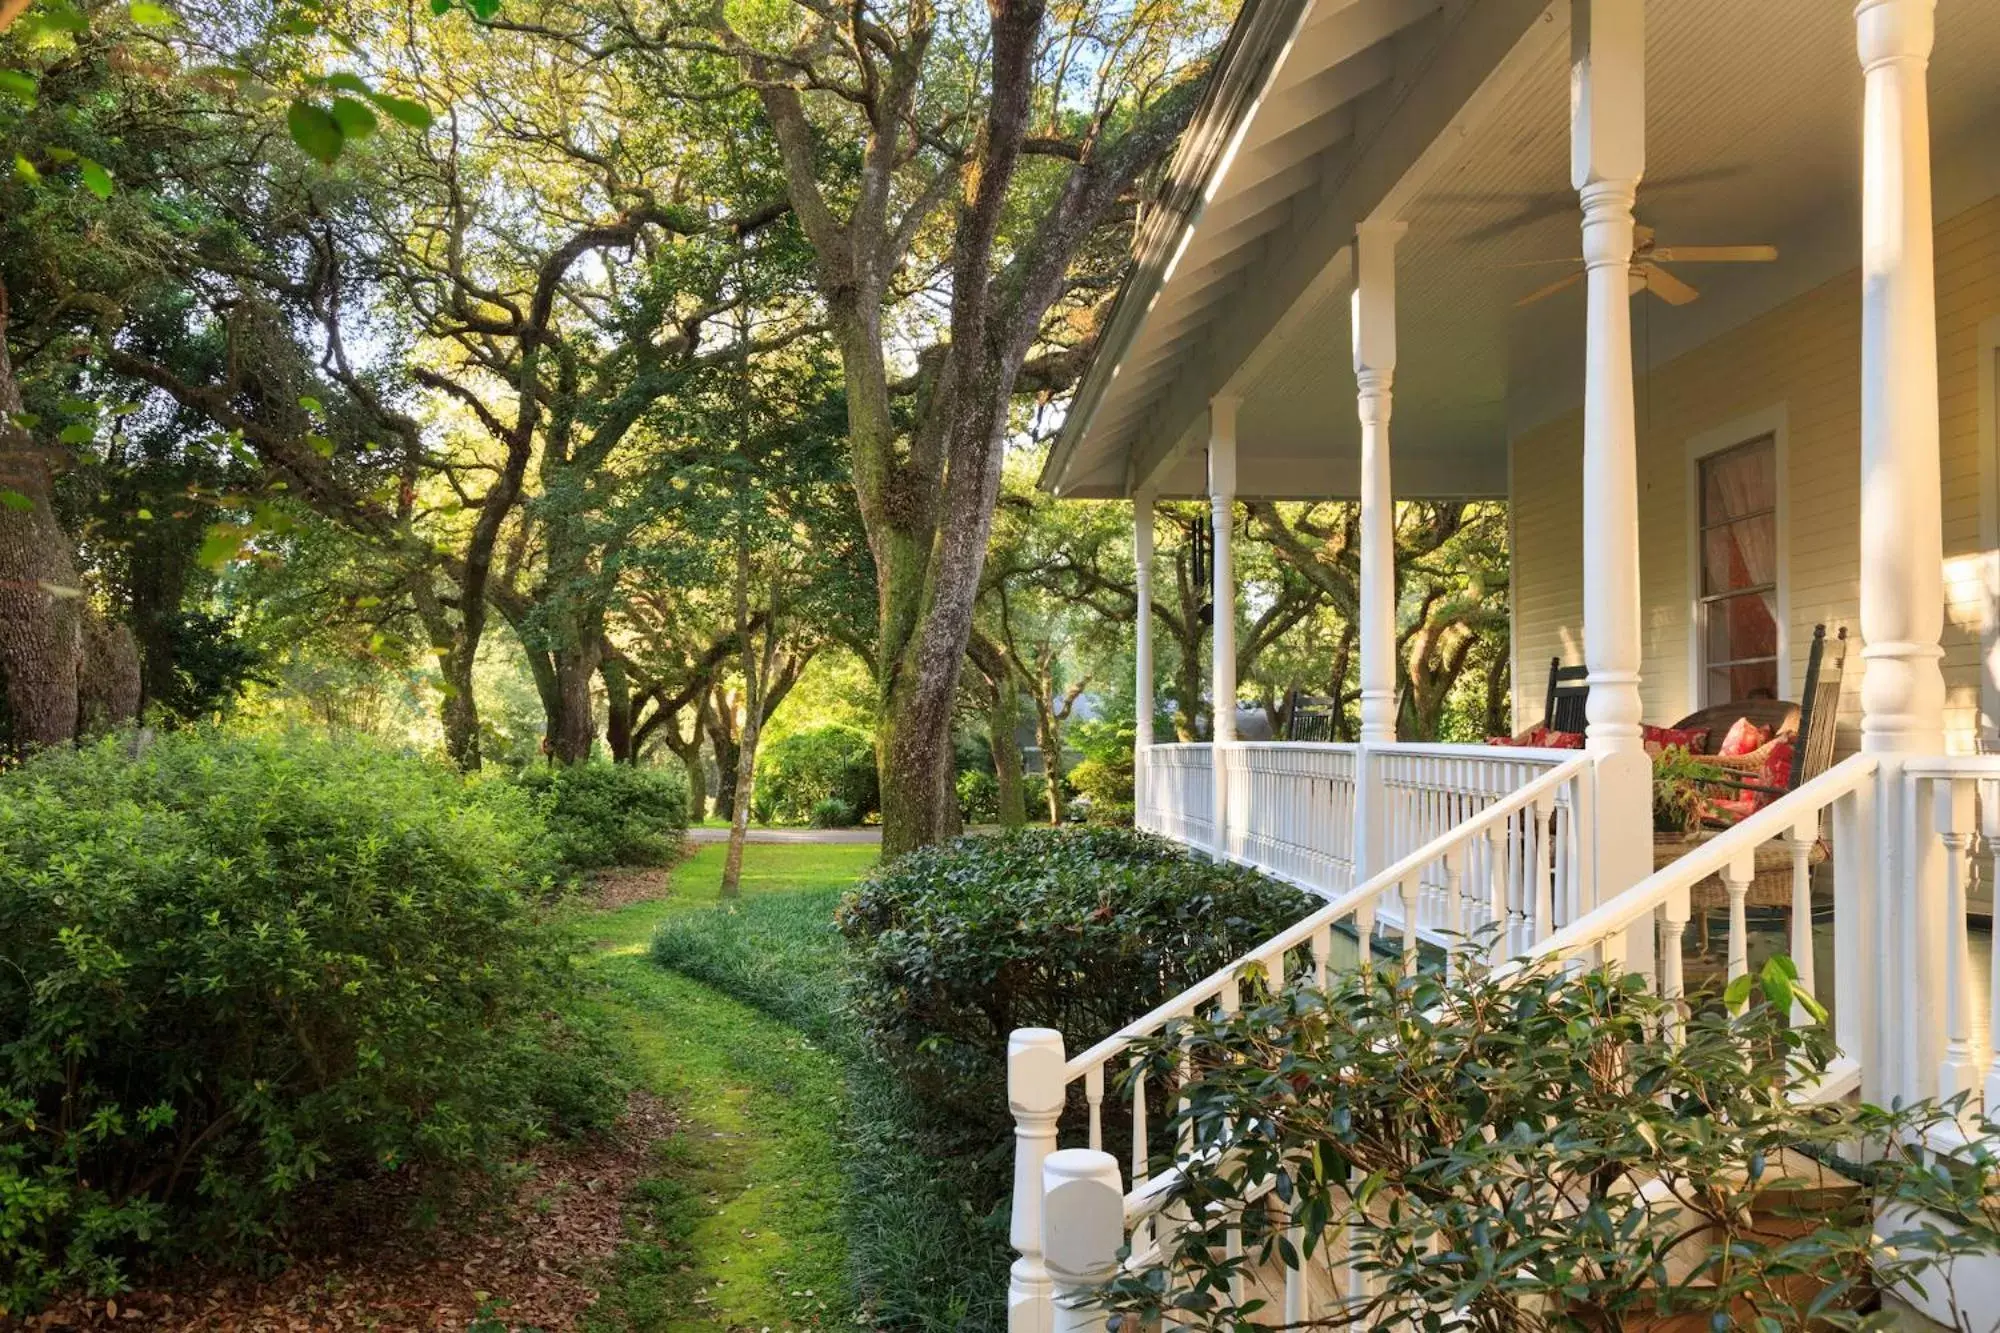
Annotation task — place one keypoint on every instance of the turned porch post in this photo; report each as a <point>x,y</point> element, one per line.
<point>1222,635</point>
<point>1374,320</point>
<point>1607,158</point>
<point>1902,542</point>
<point>1142,647</point>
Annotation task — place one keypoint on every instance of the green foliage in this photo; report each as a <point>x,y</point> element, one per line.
<point>1682,783</point>
<point>832,812</point>
<point>1075,929</point>
<point>242,969</point>
<point>1452,1126</point>
<point>923,1257</point>
<point>611,814</point>
<point>808,767</point>
<point>978,797</point>
<point>1107,787</point>
<point>779,952</point>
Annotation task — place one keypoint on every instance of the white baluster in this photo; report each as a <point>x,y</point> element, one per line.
<point>1035,1096</point>
<point>1957,1072</point>
<point>1496,872</point>
<point>1140,1174</point>
<point>1544,888</point>
<point>1673,944</point>
<point>1454,871</point>
<point>1093,1094</point>
<point>1736,878</point>
<point>1322,951</point>
<point>1083,1226</point>
<point>1804,834</point>
<point>1409,889</point>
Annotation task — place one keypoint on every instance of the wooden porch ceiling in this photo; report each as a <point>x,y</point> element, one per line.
<point>1753,136</point>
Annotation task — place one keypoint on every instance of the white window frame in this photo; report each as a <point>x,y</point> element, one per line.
<point>1774,422</point>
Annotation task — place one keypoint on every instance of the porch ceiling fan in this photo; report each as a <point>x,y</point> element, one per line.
<point>1647,274</point>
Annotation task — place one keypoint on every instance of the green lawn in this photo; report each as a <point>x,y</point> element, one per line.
<point>743,1227</point>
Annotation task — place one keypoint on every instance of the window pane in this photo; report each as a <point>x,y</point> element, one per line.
<point>1740,627</point>
<point>1737,684</point>
<point>1738,481</point>
<point>1743,554</point>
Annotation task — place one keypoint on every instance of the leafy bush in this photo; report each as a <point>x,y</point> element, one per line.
<point>611,814</point>
<point>978,797</point>
<point>824,763</point>
<point>1476,1111</point>
<point>1078,929</point>
<point>241,969</point>
<point>1105,782</point>
<point>832,812</point>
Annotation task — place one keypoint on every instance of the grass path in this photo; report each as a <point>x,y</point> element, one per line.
<point>741,1229</point>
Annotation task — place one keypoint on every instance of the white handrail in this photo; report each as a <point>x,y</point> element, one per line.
<point>1709,858</point>
<point>1347,905</point>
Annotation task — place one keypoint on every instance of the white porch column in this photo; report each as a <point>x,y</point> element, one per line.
<point>1374,320</point>
<point>1222,637</point>
<point>1607,158</point>
<point>1142,647</point>
<point>1902,545</point>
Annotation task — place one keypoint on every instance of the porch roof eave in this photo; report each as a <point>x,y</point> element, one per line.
<point>1247,243</point>
<point>1243,69</point>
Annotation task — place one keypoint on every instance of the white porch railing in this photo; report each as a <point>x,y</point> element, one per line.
<point>1429,790</point>
<point>1291,811</point>
<point>1039,1077</point>
<point>1176,790</point>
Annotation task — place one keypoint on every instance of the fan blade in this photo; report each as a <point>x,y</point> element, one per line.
<point>1717,254</point>
<point>1567,281</point>
<point>1665,285</point>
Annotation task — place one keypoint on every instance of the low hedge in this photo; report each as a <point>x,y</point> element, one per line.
<point>611,814</point>
<point>240,970</point>
<point>1081,929</point>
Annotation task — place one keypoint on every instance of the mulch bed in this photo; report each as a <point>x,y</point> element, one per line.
<point>624,885</point>
<point>529,1263</point>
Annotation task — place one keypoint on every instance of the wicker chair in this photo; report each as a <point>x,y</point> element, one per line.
<point>1812,724</point>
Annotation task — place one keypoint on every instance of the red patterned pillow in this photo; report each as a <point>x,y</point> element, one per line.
<point>1777,772</point>
<point>1561,740</point>
<point>1675,738</point>
<point>1744,736</point>
<point>1533,736</point>
<point>1720,810</point>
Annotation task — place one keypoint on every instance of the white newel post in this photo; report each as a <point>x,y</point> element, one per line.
<point>1083,1225</point>
<point>1142,648</point>
<point>1035,1096</point>
<point>1607,158</point>
<point>1374,330</point>
<point>1222,637</point>
<point>1902,543</point>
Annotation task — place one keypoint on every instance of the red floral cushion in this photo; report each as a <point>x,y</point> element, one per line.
<point>1542,738</point>
<point>1744,736</point>
<point>1674,738</point>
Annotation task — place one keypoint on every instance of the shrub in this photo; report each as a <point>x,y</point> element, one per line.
<point>611,814</point>
<point>1079,929</point>
<point>1105,782</point>
<point>240,969</point>
<point>832,812</point>
<point>1477,1111</point>
<point>978,797</point>
<point>824,763</point>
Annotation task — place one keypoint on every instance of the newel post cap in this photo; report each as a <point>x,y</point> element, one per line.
<point>1035,1071</point>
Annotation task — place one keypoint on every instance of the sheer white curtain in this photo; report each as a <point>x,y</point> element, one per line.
<point>1743,482</point>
